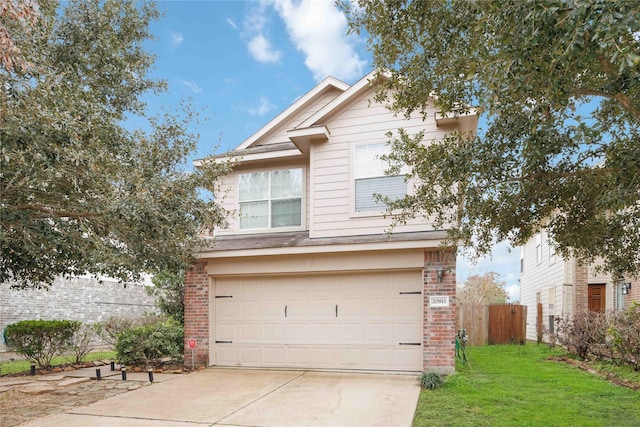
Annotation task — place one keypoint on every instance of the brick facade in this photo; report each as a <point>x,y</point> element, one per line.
<point>196,313</point>
<point>581,288</point>
<point>439,326</point>
<point>634,292</point>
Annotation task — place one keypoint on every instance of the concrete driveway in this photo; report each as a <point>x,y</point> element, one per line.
<point>243,397</point>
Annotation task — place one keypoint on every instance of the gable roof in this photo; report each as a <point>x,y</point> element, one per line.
<point>321,87</point>
<point>356,89</point>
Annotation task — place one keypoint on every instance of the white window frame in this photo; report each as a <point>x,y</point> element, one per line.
<point>538,248</point>
<point>356,175</point>
<point>269,201</point>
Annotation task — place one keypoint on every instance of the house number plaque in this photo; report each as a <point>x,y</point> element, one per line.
<point>439,301</point>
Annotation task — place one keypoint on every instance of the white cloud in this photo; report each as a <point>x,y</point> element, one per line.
<point>318,29</point>
<point>263,107</point>
<point>262,50</point>
<point>255,34</point>
<point>192,85</point>
<point>232,23</point>
<point>176,38</point>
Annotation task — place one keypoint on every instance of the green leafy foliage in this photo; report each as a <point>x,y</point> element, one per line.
<point>169,292</point>
<point>557,85</point>
<point>149,343</point>
<point>90,180</point>
<point>431,380</point>
<point>38,341</point>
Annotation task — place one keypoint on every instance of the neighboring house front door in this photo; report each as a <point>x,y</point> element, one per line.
<point>597,298</point>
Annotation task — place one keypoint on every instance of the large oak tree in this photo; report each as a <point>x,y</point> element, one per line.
<point>81,189</point>
<point>557,84</point>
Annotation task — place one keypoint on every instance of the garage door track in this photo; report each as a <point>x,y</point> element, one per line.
<point>268,398</point>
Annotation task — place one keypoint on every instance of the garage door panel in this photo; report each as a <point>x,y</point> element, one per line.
<point>274,355</point>
<point>227,331</point>
<point>322,332</point>
<point>227,355</point>
<point>406,332</point>
<point>296,332</point>
<point>291,321</point>
<point>251,332</point>
<point>379,333</point>
<point>378,307</point>
<point>226,308</point>
<point>273,332</point>
<point>354,307</point>
<point>250,310</point>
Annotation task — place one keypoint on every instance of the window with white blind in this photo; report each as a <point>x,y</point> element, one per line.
<point>370,178</point>
<point>270,199</point>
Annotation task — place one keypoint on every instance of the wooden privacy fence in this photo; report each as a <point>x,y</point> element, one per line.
<point>493,324</point>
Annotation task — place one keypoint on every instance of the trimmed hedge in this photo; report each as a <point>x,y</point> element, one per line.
<point>39,341</point>
<point>150,343</point>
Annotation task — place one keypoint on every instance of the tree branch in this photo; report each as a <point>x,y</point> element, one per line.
<point>55,212</point>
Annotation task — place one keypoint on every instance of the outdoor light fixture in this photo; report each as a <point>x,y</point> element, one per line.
<point>626,287</point>
<point>439,272</point>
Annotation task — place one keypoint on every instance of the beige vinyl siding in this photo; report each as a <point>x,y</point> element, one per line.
<point>540,278</point>
<point>332,168</point>
<point>279,134</point>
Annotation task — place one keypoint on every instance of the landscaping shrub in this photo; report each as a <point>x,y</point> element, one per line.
<point>109,329</point>
<point>584,334</point>
<point>431,380</point>
<point>81,343</point>
<point>149,343</point>
<point>600,336</point>
<point>38,341</point>
<point>625,336</point>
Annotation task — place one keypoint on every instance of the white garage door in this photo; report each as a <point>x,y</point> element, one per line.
<point>346,321</point>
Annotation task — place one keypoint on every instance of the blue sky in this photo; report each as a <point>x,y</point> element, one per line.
<point>243,62</point>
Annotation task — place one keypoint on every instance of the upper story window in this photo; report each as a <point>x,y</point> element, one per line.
<point>370,178</point>
<point>538,248</point>
<point>270,199</point>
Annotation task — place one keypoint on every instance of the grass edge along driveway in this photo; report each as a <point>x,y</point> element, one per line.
<point>518,386</point>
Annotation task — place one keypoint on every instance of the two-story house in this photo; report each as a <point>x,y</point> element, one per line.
<point>306,274</point>
<point>552,287</point>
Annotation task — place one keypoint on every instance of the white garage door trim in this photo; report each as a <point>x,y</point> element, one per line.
<point>368,321</point>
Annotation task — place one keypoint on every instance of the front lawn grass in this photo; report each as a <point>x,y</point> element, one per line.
<point>518,386</point>
<point>21,365</point>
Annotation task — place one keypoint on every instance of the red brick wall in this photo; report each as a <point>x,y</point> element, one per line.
<point>439,322</point>
<point>196,313</point>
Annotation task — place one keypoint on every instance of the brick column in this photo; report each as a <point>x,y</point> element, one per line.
<point>439,322</point>
<point>581,288</point>
<point>196,313</point>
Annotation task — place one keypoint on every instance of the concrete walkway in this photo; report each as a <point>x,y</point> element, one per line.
<point>268,398</point>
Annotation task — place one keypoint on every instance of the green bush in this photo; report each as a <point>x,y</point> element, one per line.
<point>431,380</point>
<point>39,341</point>
<point>149,343</point>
